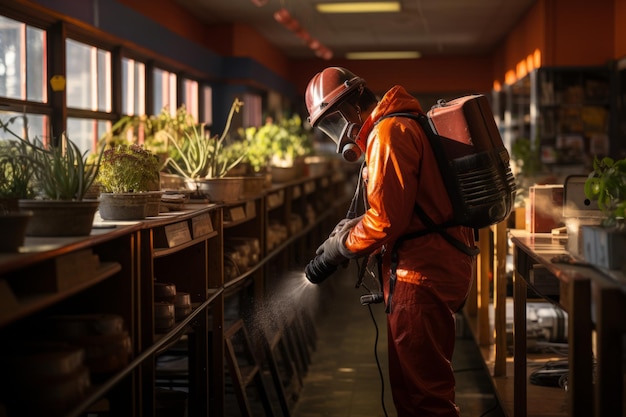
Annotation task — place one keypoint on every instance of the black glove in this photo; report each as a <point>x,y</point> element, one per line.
<point>345,224</point>
<point>331,253</point>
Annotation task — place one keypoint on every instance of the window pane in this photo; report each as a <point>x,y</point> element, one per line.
<point>190,97</point>
<point>104,80</point>
<point>88,77</point>
<point>207,98</point>
<point>252,110</point>
<point>133,87</point>
<point>86,132</point>
<point>164,91</point>
<point>36,65</point>
<point>22,63</point>
<point>28,125</point>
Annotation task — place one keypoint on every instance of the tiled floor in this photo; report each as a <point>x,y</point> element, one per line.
<point>343,378</point>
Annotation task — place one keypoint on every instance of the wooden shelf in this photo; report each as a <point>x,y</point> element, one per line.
<point>117,266</point>
<point>28,304</point>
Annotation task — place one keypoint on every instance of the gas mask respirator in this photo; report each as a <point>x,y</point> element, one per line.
<point>343,133</point>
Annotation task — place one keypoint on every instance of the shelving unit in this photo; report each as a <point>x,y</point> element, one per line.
<point>565,114</point>
<point>120,265</point>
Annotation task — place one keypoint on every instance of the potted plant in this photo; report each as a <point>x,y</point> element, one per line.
<point>53,184</point>
<point>16,174</point>
<point>280,145</point>
<point>129,183</point>
<point>606,184</point>
<point>202,161</point>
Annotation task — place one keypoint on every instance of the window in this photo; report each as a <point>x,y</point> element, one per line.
<point>22,61</point>
<point>25,125</point>
<point>88,77</point>
<point>207,101</point>
<point>252,104</point>
<point>133,87</point>
<point>190,97</point>
<point>88,88</point>
<point>86,132</point>
<point>164,91</point>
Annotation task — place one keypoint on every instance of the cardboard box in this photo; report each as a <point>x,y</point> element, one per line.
<point>545,208</point>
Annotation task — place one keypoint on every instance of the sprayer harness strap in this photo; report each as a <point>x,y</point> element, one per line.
<point>432,227</point>
<point>428,222</point>
<point>425,218</point>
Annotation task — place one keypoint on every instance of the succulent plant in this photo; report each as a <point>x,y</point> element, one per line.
<point>128,169</point>
<point>198,155</point>
<point>33,168</point>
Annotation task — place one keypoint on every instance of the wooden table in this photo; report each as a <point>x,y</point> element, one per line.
<point>594,300</point>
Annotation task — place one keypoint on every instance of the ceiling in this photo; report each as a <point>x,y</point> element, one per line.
<point>432,27</point>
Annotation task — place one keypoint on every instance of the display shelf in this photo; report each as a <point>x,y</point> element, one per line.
<point>564,114</point>
<point>160,252</point>
<point>184,249</point>
<point>17,306</point>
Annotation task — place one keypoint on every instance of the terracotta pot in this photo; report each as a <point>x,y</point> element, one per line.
<point>254,184</point>
<point>123,206</point>
<point>154,203</point>
<point>284,174</point>
<point>13,225</point>
<point>60,217</point>
<point>218,190</point>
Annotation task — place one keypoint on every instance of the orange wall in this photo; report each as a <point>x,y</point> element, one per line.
<point>527,37</point>
<point>228,40</point>
<point>581,35</point>
<point>426,75</point>
<point>563,32</point>
<point>620,29</point>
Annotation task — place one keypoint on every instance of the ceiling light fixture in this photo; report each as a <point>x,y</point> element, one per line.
<point>359,7</point>
<point>384,55</point>
<point>283,17</point>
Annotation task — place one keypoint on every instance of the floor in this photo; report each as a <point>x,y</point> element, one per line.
<point>343,378</point>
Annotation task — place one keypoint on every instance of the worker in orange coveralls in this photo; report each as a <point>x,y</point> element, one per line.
<point>425,279</point>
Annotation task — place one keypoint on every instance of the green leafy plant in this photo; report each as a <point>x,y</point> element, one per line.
<point>37,169</point>
<point>278,143</point>
<point>16,170</point>
<point>128,169</point>
<point>155,130</point>
<point>64,173</point>
<point>525,155</point>
<point>606,184</point>
<point>198,155</point>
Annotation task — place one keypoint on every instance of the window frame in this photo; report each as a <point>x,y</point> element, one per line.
<point>58,29</point>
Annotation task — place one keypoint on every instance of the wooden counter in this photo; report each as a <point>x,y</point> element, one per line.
<point>595,303</point>
<point>593,300</point>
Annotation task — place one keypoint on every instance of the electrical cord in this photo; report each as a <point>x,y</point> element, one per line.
<point>380,371</point>
<point>490,409</point>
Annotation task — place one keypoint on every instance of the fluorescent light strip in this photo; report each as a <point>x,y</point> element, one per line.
<point>384,55</point>
<point>359,7</point>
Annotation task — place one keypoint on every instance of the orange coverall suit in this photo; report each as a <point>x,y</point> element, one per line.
<point>433,277</point>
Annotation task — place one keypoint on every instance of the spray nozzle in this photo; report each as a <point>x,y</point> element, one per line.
<point>373,298</point>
